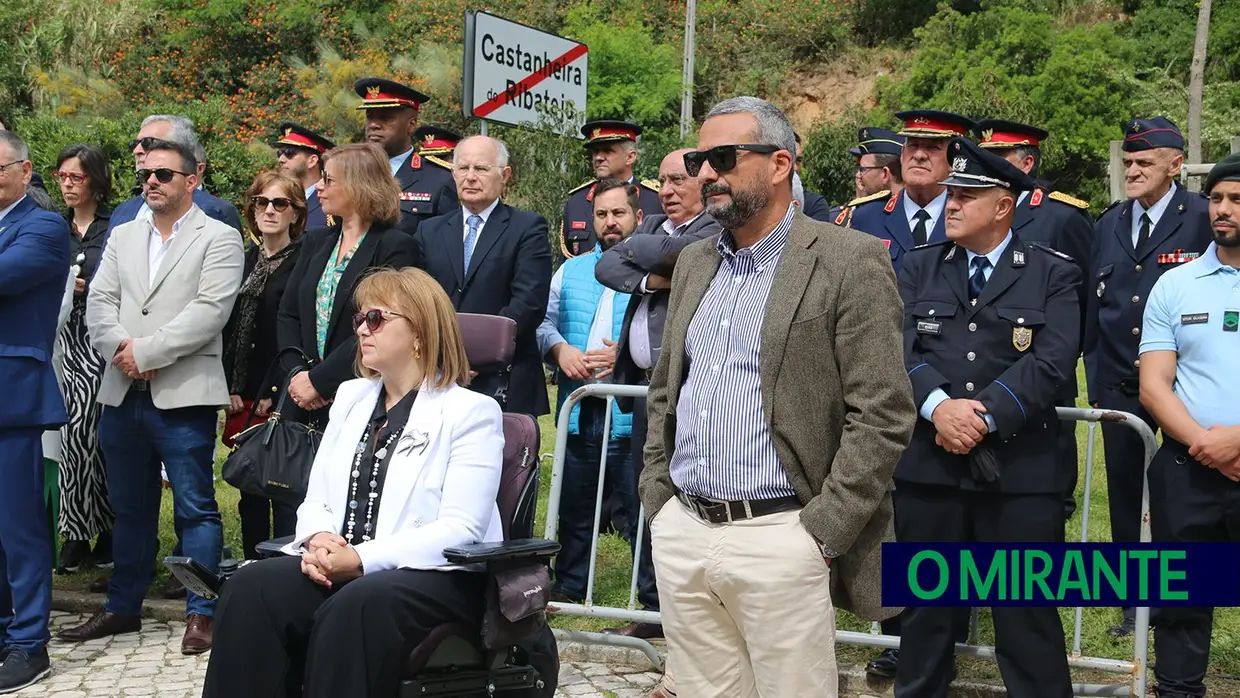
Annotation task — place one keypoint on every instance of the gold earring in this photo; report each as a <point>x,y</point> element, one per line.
<point>417,353</point>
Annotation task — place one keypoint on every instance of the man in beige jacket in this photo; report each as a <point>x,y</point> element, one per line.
<point>778,410</point>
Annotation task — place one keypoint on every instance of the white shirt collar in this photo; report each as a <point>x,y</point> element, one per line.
<point>309,192</point>
<point>9,209</point>
<point>399,160</point>
<point>934,208</point>
<point>994,255</point>
<point>1021,199</point>
<point>176,227</point>
<point>670,228</point>
<point>1156,211</point>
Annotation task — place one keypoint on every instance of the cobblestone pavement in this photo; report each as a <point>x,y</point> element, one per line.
<point>150,663</point>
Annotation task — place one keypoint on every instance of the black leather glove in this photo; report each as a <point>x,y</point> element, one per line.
<point>984,464</point>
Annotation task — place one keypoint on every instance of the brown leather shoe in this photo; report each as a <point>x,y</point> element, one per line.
<point>102,624</point>
<point>197,634</point>
<point>100,585</point>
<point>644,631</point>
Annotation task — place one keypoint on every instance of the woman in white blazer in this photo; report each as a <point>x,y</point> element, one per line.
<point>409,465</point>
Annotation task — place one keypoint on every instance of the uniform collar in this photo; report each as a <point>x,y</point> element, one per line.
<point>1157,210</point>
<point>396,162</point>
<point>1208,263</point>
<point>934,208</point>
<point>994,255</point>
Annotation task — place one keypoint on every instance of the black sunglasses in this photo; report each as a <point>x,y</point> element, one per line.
<point>146,143</point>
<point>288,152</point>
<point>722,158</point>
<point>163,174</point>
<point>374,319</point>
<point>261,203</point>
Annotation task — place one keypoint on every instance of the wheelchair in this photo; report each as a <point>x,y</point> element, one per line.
<point>455,660</point>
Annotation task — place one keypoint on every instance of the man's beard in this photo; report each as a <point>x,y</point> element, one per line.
<point>1230,238</point>
<point>602,240</point>
<point>743,208</point>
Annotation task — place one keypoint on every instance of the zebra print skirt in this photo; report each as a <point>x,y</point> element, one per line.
<point>84,508</point>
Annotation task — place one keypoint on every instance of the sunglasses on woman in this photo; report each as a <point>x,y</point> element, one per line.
<point>261,203</point>
<point>163,174</point>
<point>75,177</point>
<point>373,318</point>
<point>722,158</point>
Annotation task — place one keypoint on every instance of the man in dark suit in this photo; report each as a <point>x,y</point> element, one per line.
<point>299,150</point>
<point>34,267</point>
<point>1161,226</point>
<point>493,259</point>
<point>391,119</point>
<point>991,328</point>
<point>642,265</point>
<point>180,130</point>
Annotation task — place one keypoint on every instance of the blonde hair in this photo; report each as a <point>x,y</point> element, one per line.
<point>363,172</point>
<point>291,190</point>
<point>418,297</point>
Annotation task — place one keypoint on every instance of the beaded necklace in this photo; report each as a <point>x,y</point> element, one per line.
<point>368,527</point>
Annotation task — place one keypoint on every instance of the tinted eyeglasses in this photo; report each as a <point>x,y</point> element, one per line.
<point>722,158</point>
<point>75,177</point>
<point>146,143</point>
<point>288,153</point>
<point>261,203</point>
<point>373,319</point>
<point>163,174</point>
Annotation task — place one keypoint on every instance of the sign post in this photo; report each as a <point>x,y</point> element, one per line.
<point>513,73</point>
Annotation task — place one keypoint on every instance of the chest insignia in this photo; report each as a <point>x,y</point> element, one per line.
<point>1022,338</point>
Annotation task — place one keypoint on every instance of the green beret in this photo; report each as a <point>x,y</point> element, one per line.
<point>1225,170</point>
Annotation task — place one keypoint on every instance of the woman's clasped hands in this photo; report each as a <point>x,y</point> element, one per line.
<point>329,560</point>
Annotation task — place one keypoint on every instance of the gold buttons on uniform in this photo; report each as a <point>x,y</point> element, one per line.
<point>1138,267</point>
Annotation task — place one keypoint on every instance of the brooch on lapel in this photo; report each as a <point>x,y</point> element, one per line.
<point>411,440</point>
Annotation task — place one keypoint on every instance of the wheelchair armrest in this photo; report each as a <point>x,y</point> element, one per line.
<point>524,549</point>
<point>271,548</point>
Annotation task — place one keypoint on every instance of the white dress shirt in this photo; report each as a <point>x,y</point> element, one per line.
<point>8,209</point>
<point>934,208</point>
<point>399,160</point>
<point>1155,213</point>
<point>157,247</point>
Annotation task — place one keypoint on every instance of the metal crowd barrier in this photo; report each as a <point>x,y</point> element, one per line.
<point>1135,668</point>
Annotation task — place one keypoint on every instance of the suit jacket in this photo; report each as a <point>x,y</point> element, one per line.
<point>34,268</point>
<point>425,191</point>
<point>1010,352</point>
<point>649,250</point>
<point>315,218</point>
<point>297,321</point>
<point>509,274</point>
<point>443,478</point>
<point>176,322</point>
<point>834,392</point>
<point>1068,228</point>
<point>816,207</point>
<point>214,207</point>
<point>1121,279</point>
<point>264,343</point>
<point>883,217</point>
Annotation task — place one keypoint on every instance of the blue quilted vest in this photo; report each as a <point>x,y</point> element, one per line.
<point>580,294</point>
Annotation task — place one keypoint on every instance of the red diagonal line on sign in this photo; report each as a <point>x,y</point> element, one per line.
<point>484,110</point>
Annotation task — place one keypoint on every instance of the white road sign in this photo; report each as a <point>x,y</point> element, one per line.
<point>512,72</point>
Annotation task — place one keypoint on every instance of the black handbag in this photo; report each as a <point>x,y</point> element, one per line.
<point>273,459</point>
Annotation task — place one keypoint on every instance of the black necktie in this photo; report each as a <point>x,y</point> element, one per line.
<point>977,279</point>
<point>1143,235</point>
<point>919,231</point>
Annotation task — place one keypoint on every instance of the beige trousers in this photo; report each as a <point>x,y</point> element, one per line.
<point>746,606</point>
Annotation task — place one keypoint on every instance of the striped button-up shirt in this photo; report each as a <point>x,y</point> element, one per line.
<point>723,448</point>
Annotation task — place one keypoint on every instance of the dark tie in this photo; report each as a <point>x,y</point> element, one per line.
<point>919,231</point>
<point>977,279</point>
<point>1143,235</point>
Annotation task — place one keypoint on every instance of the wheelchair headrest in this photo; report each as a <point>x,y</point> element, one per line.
<point>490,340</point>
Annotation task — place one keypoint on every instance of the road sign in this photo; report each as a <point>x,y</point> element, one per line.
<point>512,72</point>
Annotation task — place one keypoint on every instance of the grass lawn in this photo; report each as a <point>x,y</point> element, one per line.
<point>612,581</point>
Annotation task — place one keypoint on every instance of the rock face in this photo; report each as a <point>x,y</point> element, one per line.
<point>829,90</point>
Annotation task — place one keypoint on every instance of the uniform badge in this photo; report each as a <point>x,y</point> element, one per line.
<point>1194,318</point>
<point>1035,199</point>
<point>959,164</point>
<point>1022,338</point>
<point>1102,286</point>
<point>891,204</point>
<point>579,225</point>
<point>839,220</point>
<point>372,92</point>
<point>886,243</point>
<point>415,196</point>
<point>1018,258</point>
<point>1231,320</point>
<point>929,327</point>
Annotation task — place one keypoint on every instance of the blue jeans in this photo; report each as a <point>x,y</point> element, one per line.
<point>580,489</point>
<point>25,542</point>
<point>136,437</point>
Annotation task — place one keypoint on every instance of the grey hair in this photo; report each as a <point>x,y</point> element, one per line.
<point>798,190</point>
<point>501,150</point>
<point>182,131</point>
<point>773,126</point>
<point>628,146</point>
<point>15,144</point>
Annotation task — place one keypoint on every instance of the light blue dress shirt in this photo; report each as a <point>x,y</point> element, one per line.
<point>399,160</point>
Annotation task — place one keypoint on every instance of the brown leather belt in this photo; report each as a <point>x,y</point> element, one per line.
<point>718,512</point>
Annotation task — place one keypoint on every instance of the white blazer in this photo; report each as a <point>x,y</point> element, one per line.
<point>441,482</point>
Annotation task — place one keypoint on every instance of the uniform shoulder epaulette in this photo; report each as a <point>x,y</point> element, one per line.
<point>1051,251</point>
<point>1069,200</point>
<point>1115,203</point>
<point>579,187</point>
<point>651,184</point>
<point>931,245</point>
<point>435,159</point>
<point>872,197</point>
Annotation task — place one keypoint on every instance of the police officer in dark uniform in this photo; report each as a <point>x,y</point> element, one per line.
<point>991,330</point>
<point>612,146</point>
<point>878,169</point>
<point>1190,342</point>
<point>391,118</point>
<point>436,145</point>
<point>914,216</point>
<point>1160,226</point>
<point>1058,221</point>
<point>299,150</point>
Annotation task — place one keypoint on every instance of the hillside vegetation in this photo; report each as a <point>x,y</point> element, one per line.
<point>87,70</point>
